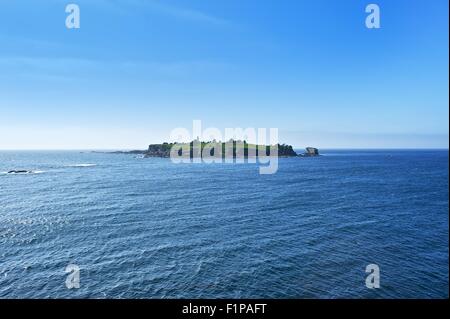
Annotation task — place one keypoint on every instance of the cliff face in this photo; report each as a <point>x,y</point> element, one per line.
<point>159,150</point>
<point>163,150</point>
<point>286,150</point>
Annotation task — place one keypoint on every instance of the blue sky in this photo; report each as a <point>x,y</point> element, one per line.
<point>137,69</point>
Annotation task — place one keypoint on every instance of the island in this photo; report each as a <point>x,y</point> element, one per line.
<point>230,149</point>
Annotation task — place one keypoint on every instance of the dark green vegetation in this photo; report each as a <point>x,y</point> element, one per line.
<point>229,149</point>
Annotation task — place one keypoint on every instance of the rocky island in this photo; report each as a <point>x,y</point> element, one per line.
<point>231,148</point>
<point>310,152</point>
<point>239,149</point>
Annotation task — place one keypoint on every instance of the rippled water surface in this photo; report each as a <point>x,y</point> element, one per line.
<point>147,228</point>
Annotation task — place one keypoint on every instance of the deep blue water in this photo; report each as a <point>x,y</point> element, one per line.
<point>147,228</point>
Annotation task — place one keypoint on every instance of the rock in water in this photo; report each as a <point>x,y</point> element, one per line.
<point>311,151</point>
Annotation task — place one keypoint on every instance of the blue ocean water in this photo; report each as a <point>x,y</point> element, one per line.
<point>148,228</point>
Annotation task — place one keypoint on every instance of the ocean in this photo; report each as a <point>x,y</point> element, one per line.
<point>148,228</point>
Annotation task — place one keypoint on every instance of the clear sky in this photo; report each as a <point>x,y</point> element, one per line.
<point>136,69</point>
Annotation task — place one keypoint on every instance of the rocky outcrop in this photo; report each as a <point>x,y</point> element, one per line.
<point>286,150</point>
<point>310,152</point>
<point>20,172</point>
<point>158,150</point>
